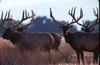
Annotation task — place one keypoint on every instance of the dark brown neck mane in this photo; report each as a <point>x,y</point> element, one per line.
<point>14,37</point>
<point>68,37</point>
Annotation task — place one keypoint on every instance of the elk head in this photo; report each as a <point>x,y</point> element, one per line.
<point>88,26</point>
<point>65,26</point>
<point>10,32</point>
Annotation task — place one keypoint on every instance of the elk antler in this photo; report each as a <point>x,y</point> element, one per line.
<point>62,24</point>
<point>86,26</point>
<point>51,15</point>
<point>22,28</point>
<point>96,14</point>
<point>25,16</point>
<point>89,26</point>
<point>72,14</point>
<point>6,17</point>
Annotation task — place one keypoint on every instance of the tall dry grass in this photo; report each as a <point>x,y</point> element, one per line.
<point>13,55</point>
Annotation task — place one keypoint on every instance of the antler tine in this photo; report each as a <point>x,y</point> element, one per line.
<point>51,15</point>
<point>96,14</point>
<point>81,15</point>
<point>8,14</point>
<point>2,16</point>
<point>5,16</point>
<point>33,14</point>
<point>26,14</point>
<point>94,24</point>
<point>72,13</point>
<point>22,15</point>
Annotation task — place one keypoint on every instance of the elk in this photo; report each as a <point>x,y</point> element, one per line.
<point>88,27</point>
<point>79,41</point>
<point>27,40</point>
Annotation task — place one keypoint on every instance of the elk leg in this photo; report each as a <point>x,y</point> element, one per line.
<point>99,57</point>
<point>96,55</point>
<point>82,57</point>
<point>78,57</point>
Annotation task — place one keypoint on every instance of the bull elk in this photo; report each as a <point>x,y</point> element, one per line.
<point>27,40</point>
<point>88,27</point>
<point>79,41</point>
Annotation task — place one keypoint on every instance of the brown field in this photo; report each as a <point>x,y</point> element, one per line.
<point>12,55</point>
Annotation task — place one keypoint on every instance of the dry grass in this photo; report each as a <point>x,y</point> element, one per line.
<point>12,55</point>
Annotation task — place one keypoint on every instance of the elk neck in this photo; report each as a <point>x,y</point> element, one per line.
<point>68,36</point>
<point>14,37</point>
